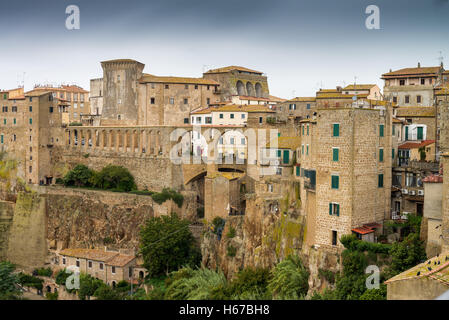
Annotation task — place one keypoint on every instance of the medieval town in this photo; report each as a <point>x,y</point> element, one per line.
<point>144,185</point>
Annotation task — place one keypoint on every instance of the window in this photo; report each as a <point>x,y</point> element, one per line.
<point>381,155</point>
<point>381,130</point>
<point>335,182</point>
<point>307,150</point>
<point>260,120</point>
<point>308,106</point>
<point>1,139</point>
<point>63,260</point>
<point>380,181</point>
<point>334,237</point>
<point>423,81</point>
<point>31,120</point>
<point>152,100</point>
<point>392,153</point>
<point>196,87</point>
<point>307,129</point>
<point>14,109</point>
<point>166,86</point>
<point>186,120</point>
<point>30,169</point>
<point>302,149</point>
<point>198,119</point>
<point>418,99</point>
<point>302,129</point>
<point>420,135</point>
<point>243,116</point>
<point>186,86</point>
<point>113,269</point>
<point>89,264</point>
<point>231,116</point>
<point>209,120</point>
<point>51,109</point>
<point>298,170</point>
<point>402,82</point>
<point>393,130</point>
<point>335,129</point>
<point>395,99</point>
<point>270,187</point>
<point>208,100</point>
<point>221,115</point>
<point>242,141</point>
<point>78,263</point>
<point>172,101</point>
<point>101,266</point>
<point>279,171</point>
<point>334,209</point>
<point>4,121</point>
<point>186,101</point>
<point>31,109</point>
<point>335,154</point>
<point>407,99</point>
<point>232,141</point>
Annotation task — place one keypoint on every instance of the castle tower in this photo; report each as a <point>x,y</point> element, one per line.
<point>120,91</point>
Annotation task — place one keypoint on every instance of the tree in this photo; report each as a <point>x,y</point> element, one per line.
<point>406,254</point>
<point>8,282</point>
<point>375,294</point>
<point>250,284</point>
<point>105,292</point>
<point>79,176</point>
<point>290,279</point>
<point>167,244</point>
<point>88,286</point>
<point>114,178</point>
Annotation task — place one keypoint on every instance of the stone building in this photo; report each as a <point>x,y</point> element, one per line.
<point>371,90</point>
<point>27,134</point>
<point>239,81</point>
<point>432,220</point>
<point>412,86</point>
<point>108,266</point>
<point>299,108</point>
<point>72,99</point>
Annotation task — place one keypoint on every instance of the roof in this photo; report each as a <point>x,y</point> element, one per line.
<point>397,121</point>
<point>428,71</point>
<point>121,61</point>
<point>276,99</point>
<point>363,230</point>
<point>302,99</point>
<point>109,257</point>
<point>232,68</point>
<point>415,112</point>
<point>36,93</point>
<point>442,90</point>
<point>168,79</point>
<point>235,108</point>
<point>227,175</point>
<point>338,95</point>
<point>359,87</point>
<point>433,178</point>
<point>414,145</point>
<point>435,268</point>
<point>69,88</point>
<point>253,98</point>
<point>291,143</point>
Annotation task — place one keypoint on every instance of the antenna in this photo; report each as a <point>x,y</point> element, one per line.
<point>440,57</point>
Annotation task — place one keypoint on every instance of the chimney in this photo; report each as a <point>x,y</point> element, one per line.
<point>419,64</point>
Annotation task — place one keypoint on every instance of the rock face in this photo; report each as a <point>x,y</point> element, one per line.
<point>6,215</point>
<point>263,237</point>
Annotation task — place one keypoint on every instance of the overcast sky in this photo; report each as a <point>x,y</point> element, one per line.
<point>300,45</point>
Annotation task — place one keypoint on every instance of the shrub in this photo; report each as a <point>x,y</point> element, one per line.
<point>79,176</point>
<point>62,276</point>
<point>290,279</point>
<point>231,233</point>
<point>43,272</point>
<point>328,275</point>
<point>166,194</point>
<point>114,177</point>
<point>351,242</point>
<point>30,281</point>
<point>142,192</point>
<point>231,251</point>
<point>51,296</point>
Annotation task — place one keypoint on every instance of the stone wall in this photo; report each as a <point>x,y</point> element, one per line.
<point>6,215</point>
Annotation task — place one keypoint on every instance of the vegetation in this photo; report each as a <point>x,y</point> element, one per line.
<point>8,281</point>
<point>231,233</point>
<point>166,194</point>
<point>43,272</point>
<point>88,286</point>
<point>167,244</point>
<point>290,279</point>
<point>231,251</point>
<point>51,296</point>
<point>406,254</point>
<point>30,281</point>
<point>80,176</point>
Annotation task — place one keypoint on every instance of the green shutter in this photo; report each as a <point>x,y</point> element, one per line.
<point>307,129</point>
<point>335,154</point>
<point>286,156</point>
<point>302,149</point>
<point>279,153</point>
<point>406,133</point>
<point>15,121</point>
<point>338,210</point>
<point>297,171</point>
<point>2,138</point>
<point>393,130</point>
<point>302,129</point>
<point>381,181</point>
<point>392,153</point>
<point>381,130</point>
<point>4,121</point>
<point>335,182</point>
<point>31,120</point>
<point>330,208</point>
<point>307,149</point>
<point>336,130</point>
<point>381,155</point>
<point>420,133</point>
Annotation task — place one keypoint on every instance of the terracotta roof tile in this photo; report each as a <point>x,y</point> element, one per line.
<point>302,99</point>
<point>414,145</point>
<point>359,87</point>
<point>184,80</point>
<point>232,68</point>
<point>432,71</point>
<point>433,178</point>
<point>415,112</point>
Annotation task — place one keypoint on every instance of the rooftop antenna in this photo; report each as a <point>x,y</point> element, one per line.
<point>440,57</point>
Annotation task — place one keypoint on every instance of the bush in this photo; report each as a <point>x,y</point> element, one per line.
<point>30,281</point>
<point>231,251</point>
<point>51,296</point>
<point>114,177</point>
<point>142,192</point>
<point>166,194</point>
<point>250,283</point>
<point>8,281</point>
<point>290,279</point>
<point>79,176</point>
<point>231,233</point>
<point>328,275</point>
<point>351,242</point>
<point>43,272</point>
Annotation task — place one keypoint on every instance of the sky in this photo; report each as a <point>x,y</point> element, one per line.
<point>300,45</point>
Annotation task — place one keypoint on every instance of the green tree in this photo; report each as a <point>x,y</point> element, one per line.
<point>375,294</point>
<point>114,178</point>
<point>88,286</point>
<point>250,284</point>
<point>167,244</point>
<point>8,282</point>
<point>406,254</point>
<point>105,292</point>
<point>290,279</point>
<point>79,176</point>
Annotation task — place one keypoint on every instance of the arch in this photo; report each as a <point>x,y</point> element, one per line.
<point>141,274</point>
<point>240,88</point>
<point>250,89</point>
<point>114,284</point>
<point>258,90</point>
<point>48,289</point>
